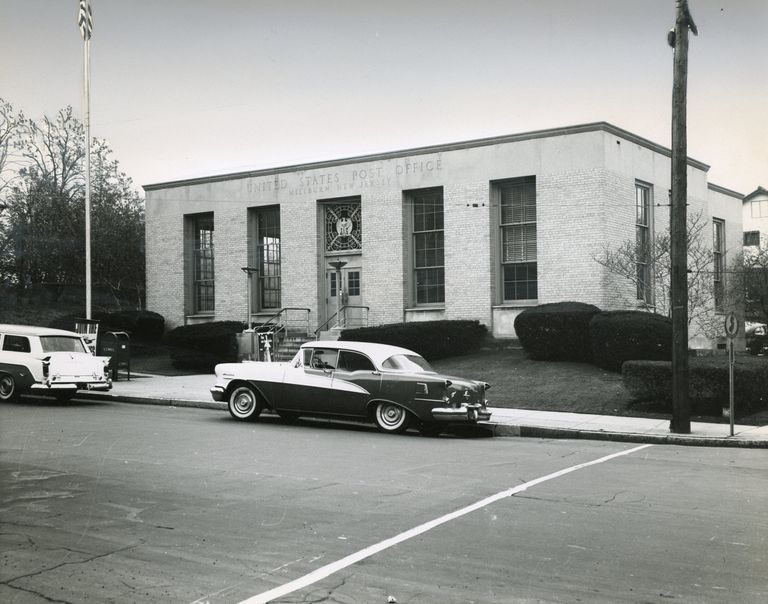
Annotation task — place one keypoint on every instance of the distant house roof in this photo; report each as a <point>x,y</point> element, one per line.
<point>756,192</point>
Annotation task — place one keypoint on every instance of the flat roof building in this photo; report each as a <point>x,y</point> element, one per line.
<point>479,229</point>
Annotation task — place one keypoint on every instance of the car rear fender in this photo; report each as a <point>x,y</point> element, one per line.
<point>408,406</point>
<point>20,374</point>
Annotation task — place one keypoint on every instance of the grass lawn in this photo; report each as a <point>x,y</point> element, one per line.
<point>519,383</point>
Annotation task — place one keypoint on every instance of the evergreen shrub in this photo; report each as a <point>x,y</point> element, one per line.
<point>431,339</point>
<point>556,332</point>
<point>200,347</point>
<point>708,384</point>
<point>629,335</point>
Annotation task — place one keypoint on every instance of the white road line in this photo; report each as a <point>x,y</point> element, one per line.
<point>334,567</point>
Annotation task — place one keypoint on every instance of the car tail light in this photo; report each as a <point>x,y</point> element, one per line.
<point>46,366</point>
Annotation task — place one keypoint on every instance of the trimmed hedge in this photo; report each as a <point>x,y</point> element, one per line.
<point>431,339</point>
<point>201,347</point>
<point>629,335</point>
<point>557,331</point>
<point>708,384</point>
<point>141,325</point>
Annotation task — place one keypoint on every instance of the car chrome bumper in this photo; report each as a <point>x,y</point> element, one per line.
<point>464,413</point>
<point>217,392</point>
<point>69,386</point>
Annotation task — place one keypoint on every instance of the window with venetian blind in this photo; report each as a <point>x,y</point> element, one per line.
<point>266,257</point>
<point>202,265</point>
<point>517,222</point>
<point>643,242</point>
<point>428,246</point>
<point>718,257</point>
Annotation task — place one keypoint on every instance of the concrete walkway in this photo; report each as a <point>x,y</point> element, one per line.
<point>193,391</point>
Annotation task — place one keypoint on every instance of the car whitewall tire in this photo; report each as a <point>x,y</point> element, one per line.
<point>244,404</point>
<point>8,391</point>
<point>392,418</point>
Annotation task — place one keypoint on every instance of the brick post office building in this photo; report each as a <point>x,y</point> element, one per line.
<point>480,229</point>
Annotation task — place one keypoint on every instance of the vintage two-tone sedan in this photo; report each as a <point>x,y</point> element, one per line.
<point>358,380</point>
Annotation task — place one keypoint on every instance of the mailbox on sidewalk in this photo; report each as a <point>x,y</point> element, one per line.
<point>117,346</point>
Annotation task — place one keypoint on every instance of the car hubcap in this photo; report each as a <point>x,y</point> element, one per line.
<point>6,387</point>
<point>243,403</point>
<point>391,416</point>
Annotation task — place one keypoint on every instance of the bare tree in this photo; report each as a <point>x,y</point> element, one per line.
<point>623,261</point>
<point>42,235</point>
<point>10,124</point>
<point>749,279</point>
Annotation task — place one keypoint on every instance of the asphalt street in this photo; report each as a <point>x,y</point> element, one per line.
<point>114,502</point>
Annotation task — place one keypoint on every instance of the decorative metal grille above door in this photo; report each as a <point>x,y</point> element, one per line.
<point>343,227</point>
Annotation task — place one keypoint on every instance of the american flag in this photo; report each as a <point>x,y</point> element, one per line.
<point>85,19</point>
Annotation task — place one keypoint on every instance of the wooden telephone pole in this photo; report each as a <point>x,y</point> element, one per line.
<point>681,409</point>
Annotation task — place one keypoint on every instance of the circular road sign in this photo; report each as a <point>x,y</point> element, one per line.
<point>731,325</point>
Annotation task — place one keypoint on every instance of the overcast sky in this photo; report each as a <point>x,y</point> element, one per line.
<point>189,88</point>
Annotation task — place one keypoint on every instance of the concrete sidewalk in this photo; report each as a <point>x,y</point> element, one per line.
<point>193,391</point>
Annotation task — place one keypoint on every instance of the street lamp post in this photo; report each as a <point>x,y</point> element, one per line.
<point>338,264</point>
<point>249,270</point>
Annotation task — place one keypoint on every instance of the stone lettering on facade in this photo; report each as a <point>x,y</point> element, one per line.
<point>334,182</point>
<point>267,186</point>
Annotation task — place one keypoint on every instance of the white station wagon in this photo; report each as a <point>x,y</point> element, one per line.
<point>42,360</point>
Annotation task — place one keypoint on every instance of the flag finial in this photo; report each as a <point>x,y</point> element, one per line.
<point>85,19</point>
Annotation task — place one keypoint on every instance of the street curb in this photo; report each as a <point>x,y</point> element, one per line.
<point>507,430</point>
<point>498,430</point>
<point>161,402</point>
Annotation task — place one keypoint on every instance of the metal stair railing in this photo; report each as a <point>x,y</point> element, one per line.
<point>278,326</point>
<point>345,321</point>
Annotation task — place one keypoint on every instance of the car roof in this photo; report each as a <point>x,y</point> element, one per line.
<point>377,352</point>
<point>32,330</point>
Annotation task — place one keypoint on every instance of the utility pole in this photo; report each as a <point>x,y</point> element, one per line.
<point>681,408</point>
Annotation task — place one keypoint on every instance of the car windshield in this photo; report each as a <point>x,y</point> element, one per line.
<point>62,344</point>
<point>407,362</point>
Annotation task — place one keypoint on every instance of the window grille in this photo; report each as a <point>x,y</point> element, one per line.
<point>343,227</point>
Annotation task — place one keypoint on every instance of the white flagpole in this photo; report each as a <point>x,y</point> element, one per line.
<point>86,29</point>
<point>87,79</point>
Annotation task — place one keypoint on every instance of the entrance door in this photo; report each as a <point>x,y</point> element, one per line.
<point>351,296</point>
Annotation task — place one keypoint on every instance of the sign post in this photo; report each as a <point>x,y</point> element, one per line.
<point>731,329</point>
